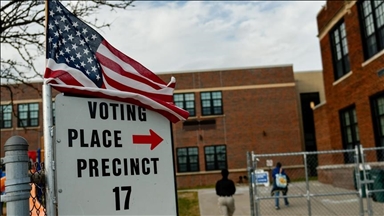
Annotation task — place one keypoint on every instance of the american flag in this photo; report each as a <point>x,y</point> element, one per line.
<point>81,62</point>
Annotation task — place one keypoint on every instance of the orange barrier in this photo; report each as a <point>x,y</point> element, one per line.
<point>2,184</point>
<point>35,207</point>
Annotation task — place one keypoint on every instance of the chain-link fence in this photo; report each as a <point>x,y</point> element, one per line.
<point>37,194</point>
<point>37,201</point>
<point>321,183</point>
<point>373,162</point>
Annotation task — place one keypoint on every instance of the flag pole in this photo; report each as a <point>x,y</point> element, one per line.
<point>48,141</point>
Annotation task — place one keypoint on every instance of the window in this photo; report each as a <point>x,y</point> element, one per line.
<point>28,115</point>
<point>340,50</point>
<point>187,159</point>
<point>6,116</point>
<point>215,157</point>
<point>350,132</point>
<point>186,101</point>
<point>211,103</point>
<point>372,22</point>
<point>204,124</point>
<point>377,104</point>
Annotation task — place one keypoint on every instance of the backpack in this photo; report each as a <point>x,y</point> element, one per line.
<point>281,180</point>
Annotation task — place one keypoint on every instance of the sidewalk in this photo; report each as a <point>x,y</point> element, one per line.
<point>341,205</point>
<point>208,201</point>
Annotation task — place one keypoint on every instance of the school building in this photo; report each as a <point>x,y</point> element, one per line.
<point>351,36</point>
<point>232,111</point>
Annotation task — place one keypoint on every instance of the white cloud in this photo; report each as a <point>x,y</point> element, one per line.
<point>181,36</point>
<point>177,36</point>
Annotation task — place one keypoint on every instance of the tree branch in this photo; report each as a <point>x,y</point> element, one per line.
<point>22,32</point>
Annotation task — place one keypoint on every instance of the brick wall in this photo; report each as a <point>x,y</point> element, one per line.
<point>264,120</point>
<point>343,176</point>
<point>355,89</point>
<point>193,180</point>
<point>31,93</point>
<point>328,12</point>
<point>339,177</point>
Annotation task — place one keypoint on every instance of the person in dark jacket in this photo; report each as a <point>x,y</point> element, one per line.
<point>225,189</point>
<point>275,189</point>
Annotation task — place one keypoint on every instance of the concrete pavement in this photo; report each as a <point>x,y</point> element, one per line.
<point>208,201</point>
<point>341,205</point>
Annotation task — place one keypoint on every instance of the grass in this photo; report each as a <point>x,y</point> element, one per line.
<point>188,203</point>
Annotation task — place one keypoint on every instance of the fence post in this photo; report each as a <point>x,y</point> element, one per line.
<point>250,180</point>
<point>358,181</point>
<point>257,201</point>
<point>308,195</point>
<point>366,182</point>
<point>17,188</point>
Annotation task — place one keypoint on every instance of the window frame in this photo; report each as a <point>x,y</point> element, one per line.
<point>188,159</point>
<point>184,103</point>
<point>340,43</point>
<point>216,165</point>
<point>4,107</point>
<point>378,123</point>
<point>212,101</point>
<point>28,118</point>
<point>377,31</point>
<point>354,131</point>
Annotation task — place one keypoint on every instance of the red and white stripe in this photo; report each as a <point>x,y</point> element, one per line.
<point>124,80</point>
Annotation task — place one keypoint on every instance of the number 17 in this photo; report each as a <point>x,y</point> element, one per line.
<point>116,190</point>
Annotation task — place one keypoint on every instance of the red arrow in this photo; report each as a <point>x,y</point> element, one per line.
<point>152,139</point>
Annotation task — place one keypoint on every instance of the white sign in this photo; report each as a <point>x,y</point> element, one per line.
<point>112,158</point>
<point>260,177</point>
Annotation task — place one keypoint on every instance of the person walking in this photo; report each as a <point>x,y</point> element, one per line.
<point>225,189</point>
<point>280,183</point>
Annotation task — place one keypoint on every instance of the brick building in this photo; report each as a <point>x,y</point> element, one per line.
<point>351,35</point>
<point>27,101</point>
<point>232,111</point>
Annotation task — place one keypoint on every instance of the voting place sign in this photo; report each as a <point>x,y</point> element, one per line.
<point>112,158</point>
<point>262,178</point>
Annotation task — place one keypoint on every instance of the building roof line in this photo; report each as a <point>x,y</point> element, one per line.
<point>346,9</point>
<point>226,69</point>
<point>235,88</point>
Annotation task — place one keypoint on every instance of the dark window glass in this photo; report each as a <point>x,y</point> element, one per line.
<point>350,131</point>
<point>28,115</point>
<point>187,159</point>
<point>215,157</point>
<point>204,124</point>
<point>377,104</point>
<point>340,51</point>
<point>6,116</point>
<point>372,21</point>
<point>211,103</point>
<point>185,101</point>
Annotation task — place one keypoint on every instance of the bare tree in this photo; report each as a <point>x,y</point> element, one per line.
<point>22,31</point>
